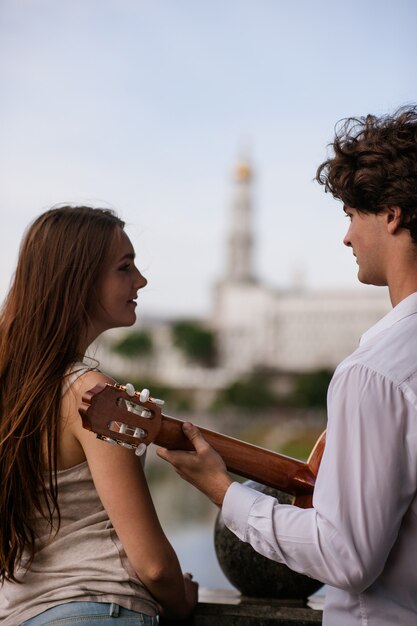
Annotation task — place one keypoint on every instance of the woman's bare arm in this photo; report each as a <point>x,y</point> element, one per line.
<point>122,487</point>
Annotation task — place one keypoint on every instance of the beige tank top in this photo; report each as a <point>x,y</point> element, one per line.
<point>84,562</point>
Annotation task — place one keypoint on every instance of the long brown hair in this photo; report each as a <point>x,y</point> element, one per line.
<point>43,319</point>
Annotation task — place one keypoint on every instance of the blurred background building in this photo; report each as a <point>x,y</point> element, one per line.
<point>252,327</point>
<point>256,367</point>
<point>142,115</point>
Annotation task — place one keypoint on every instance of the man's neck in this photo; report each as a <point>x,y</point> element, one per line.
<point>402,286</point>
<point>401,267</point>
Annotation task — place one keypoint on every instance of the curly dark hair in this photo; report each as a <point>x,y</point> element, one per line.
<point>375,164</point>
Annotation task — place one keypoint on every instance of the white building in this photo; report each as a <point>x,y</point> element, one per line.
<point>294,330</point>
<point>257,327</point>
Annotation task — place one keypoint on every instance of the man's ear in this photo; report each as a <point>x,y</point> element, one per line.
<point>394,219</point>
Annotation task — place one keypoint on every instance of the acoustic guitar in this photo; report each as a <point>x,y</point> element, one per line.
<point>135,421</point>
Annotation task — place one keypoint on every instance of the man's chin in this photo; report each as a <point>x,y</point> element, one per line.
<point>366,280</point>
<point>363,278</point>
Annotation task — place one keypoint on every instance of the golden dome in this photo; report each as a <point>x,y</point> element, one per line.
<point>243,171</point>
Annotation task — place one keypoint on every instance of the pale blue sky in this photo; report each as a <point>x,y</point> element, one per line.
<point>143,106</point>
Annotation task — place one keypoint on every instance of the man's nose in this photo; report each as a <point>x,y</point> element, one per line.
<point>346,239</point>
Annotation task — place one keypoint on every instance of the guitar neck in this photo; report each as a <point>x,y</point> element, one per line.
<point>245,459</point>
<point>114,415</point>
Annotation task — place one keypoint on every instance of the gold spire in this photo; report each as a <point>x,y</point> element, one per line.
<point>243,171</point>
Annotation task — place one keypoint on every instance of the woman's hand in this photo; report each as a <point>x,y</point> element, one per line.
<point>191,599</point>
<point>204,468</point>
<point>191,591</point>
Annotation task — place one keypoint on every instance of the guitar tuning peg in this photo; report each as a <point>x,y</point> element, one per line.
<point>158,401</point>
<point>144,395</point>
<point>141,449</point>
<point>113,442</point>
<point>130,390</point>
<point>124,444</point>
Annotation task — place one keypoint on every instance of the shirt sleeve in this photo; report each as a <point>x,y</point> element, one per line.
<point>366,481</point>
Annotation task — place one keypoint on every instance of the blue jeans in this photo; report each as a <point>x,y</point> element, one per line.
<point>90,614</point>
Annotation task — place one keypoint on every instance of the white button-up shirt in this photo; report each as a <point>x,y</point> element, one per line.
<point>360,537</point>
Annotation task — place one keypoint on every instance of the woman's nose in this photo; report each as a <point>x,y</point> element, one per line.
<point>141,280</point>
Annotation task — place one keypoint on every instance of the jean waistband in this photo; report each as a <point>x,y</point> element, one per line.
<point>82,610</point>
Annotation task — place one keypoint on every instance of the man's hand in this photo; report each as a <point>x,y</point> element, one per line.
<point>204,468</point>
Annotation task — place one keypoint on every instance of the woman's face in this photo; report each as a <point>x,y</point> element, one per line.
<point>118,287</point>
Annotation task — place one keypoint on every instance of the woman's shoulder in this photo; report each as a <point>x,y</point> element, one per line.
<point>78,382</point>
<point>81,376</point>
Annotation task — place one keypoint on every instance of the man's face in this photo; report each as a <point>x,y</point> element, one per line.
<point>367,236</point>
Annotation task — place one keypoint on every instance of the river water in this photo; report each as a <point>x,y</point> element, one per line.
<point>195,549</point>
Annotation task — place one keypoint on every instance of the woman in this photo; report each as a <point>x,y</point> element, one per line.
<point>79,536</point>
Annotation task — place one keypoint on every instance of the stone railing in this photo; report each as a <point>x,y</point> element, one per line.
<point>228,608</point>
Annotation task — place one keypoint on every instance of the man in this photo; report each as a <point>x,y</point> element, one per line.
<point>360,537</point>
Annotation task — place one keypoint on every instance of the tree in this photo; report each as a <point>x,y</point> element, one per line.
<point>311,389</point>
<point>197,342</point>
<point>252,393</point>
<point>135,343</point>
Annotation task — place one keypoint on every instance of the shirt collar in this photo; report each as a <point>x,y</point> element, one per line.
<point>406,307</point>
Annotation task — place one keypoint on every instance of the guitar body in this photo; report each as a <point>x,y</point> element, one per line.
<point>113,415</point>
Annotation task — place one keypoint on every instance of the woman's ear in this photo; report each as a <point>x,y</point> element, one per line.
<point>394,219</point>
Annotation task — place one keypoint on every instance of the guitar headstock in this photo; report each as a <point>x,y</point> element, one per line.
<point>118,417</point>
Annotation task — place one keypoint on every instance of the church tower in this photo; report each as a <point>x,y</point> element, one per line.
<point>239,262</point>
<point>238,297</point>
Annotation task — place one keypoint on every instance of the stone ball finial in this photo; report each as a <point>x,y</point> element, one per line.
<point>253,574</point>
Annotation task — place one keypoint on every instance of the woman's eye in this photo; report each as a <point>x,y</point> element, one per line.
<point>124,268</point>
